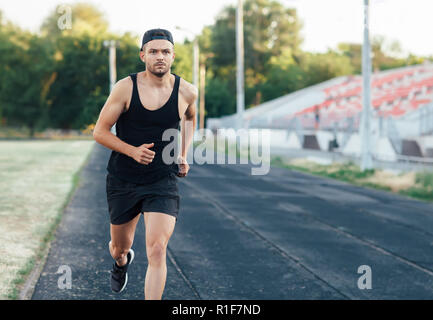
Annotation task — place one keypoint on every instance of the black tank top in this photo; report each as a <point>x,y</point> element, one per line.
<point>139,125</point>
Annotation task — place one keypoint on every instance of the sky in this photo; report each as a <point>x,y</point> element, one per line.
<point>326,22</point>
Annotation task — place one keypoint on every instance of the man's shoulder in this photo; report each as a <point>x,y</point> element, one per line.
<point>188,90</point>
<point>122,90</point>
<point>127,81</point>
<point>124,84</point>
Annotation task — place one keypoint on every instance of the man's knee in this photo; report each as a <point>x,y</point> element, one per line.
<point>156,252</point>
<point>118,252</point>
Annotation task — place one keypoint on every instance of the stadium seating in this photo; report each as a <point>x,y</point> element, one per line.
<point>394,93</point>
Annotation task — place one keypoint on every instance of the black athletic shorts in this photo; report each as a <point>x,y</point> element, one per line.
<point>127,199</point>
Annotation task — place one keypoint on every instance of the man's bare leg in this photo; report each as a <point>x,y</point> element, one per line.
<point>159,228</point>
<point>122,237</point>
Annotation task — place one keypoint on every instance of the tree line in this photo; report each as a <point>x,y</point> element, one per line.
<point>59,78</point>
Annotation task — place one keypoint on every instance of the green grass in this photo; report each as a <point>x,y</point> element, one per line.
<point>37,180</point>
<point>424,188</point>
<point>425,179</point>
<point>14,132</point>
<point>42,252</point>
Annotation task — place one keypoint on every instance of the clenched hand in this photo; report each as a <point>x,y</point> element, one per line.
<point>183,167</point>
<point>142,154</point>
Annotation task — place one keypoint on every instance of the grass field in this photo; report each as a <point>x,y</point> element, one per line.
<point>37,178</point>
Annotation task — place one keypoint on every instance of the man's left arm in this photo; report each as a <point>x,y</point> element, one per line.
<point>188,124</point>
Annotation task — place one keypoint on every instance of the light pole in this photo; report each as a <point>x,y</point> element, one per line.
<point>202,87</point>
<point>202,91</point>
<point>240,101</point>
<point>111,45</point>
<point>195,66</point>
<point>366,157</point>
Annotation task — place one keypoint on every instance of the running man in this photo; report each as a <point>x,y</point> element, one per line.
<point>143,106</point>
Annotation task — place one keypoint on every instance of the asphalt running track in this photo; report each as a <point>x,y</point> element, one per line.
<point>285,235</point>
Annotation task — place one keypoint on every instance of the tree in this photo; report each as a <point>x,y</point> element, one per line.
<point>320,67</point>
<point>354,52</point>
<point>81,81</point>
<point>218,98</point>
<point>284,76</point>
<point>80,60</point>
<point>25,76</point>
<point>269,30</point>
<point>183,60</point>
<point>385,54</point>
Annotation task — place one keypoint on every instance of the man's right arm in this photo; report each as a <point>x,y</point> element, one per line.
<point>111,111</point>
